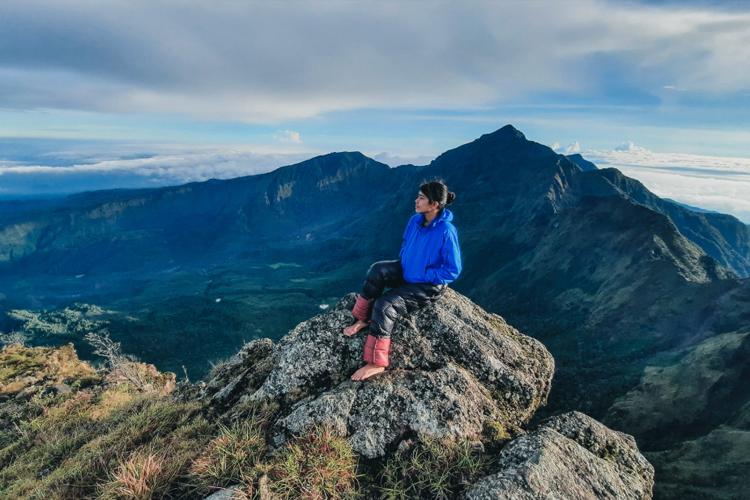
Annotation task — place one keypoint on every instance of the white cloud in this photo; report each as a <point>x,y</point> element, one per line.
<point>170,167</point>
<point>629,146</point>
<point>398,160</point>
<point>570,149</point>
<point>709,182</point>
<point>288,136</point>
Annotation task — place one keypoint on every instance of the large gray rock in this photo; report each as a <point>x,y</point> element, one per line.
<point>448,401</point>
<point>453,367</point>
<point>573,457</point>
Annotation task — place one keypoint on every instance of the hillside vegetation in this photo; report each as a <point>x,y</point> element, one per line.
<point>68,431</point>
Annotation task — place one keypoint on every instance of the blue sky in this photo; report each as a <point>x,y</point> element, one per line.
<point>128,94</point>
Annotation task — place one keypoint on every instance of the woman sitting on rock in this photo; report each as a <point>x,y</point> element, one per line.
<point>430,258</point>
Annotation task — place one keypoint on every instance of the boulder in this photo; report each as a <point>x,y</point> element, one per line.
<point>376,415</point>
<point>453,368</point>
<point>570,456</point>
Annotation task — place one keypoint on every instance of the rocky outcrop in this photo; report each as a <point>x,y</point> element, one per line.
<point>570,456</point>
<point>456,370</point>
<point>453,368</point>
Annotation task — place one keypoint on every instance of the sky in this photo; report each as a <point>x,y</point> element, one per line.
<point>104,94</point>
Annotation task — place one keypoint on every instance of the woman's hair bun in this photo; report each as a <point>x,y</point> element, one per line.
<point>451,198</point>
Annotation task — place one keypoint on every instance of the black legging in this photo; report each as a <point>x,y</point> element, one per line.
<point>401,299</point>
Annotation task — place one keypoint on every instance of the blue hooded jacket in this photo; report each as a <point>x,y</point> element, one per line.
<point>431,254</point>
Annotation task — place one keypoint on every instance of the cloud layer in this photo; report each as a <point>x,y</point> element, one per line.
<point>273,61</point>
<point>171,166</point>
<point>708,182</point>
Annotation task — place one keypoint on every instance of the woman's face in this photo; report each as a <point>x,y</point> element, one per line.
<point>422,205</point>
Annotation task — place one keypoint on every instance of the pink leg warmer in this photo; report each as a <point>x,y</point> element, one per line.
<point>362,309</point>
<point>380,352</point>
<point>369,348</point>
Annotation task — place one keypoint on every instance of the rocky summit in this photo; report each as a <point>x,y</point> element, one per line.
<point>456,370</point>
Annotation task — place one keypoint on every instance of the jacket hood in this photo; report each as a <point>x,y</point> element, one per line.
<point>446,216</point>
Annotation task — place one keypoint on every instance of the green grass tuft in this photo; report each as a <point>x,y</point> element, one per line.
<point>432,468</point>
<point>232,456</point>
<point>317,465</point>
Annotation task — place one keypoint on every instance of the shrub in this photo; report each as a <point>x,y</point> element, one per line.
<point>432,468</point>
<point>13,338</point>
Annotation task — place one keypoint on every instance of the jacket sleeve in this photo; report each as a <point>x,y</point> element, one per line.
<point>406,238</point>
<point>451,266</point>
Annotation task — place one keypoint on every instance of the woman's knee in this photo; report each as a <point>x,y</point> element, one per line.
<point>381,304</point>
<point>383,273</point>
<point>379,271</point>
<point>383,318</point>
<point>373,273</point>
<point>389,307</point>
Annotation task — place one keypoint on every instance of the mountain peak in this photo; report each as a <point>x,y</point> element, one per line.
<point>505,133</point>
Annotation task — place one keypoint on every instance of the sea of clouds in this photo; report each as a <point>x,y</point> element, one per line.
<point>714,183</point>
<point>95,169</point>
<point>92,167</point>
<point>707,182</point>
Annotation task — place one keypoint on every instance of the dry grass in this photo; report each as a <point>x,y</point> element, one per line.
<point>140,477</point>
<point>232,456</point>
<point>21,367</point>
<point>108,440</point>
<point>66,452</point>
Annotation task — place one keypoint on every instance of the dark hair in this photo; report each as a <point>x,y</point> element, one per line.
<point>437,191</point>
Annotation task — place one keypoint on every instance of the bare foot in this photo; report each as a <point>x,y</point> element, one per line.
<point>367,371</point>
<point>351,330</point>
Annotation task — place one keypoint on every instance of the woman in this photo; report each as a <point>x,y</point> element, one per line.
<point>430,258</point>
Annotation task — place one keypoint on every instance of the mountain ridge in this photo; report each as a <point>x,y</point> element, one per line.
<point>612,279</point>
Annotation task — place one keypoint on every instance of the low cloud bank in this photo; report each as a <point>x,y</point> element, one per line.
<point>90,167</point>
<point>396,160</point>
<point>707,182</point>
<point>97,171</point>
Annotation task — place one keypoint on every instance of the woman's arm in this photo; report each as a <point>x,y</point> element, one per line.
<point>407,235</point>
<point>451,265</point>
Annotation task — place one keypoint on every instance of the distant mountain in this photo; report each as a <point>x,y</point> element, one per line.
<point>694,209</point>
<point>582,162</point>
<point>617,282</point>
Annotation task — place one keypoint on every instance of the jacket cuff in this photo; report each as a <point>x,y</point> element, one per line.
<point>433,276</point>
